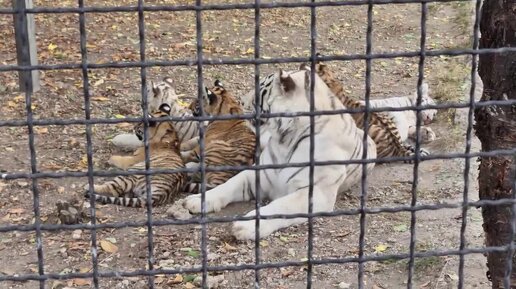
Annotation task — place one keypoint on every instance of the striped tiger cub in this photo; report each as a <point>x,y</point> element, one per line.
<point>130,191</point>
<point>227,142</point>
<point>382,128</point>
<point>406,120</point>
<point>158,93</point>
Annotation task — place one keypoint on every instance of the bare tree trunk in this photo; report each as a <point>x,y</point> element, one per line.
<point>496,128</point>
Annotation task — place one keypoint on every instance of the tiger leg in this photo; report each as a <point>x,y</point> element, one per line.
<point>427,135</point>
<point>295,202</point>
<point>239,188</point>
<point>191,155</point>
<point>124,162</point>
<point>215,156</point>
<point>189,144</point>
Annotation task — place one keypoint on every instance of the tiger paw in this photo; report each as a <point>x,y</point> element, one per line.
<point>118,162</point>
<point>178,211</point>
<point>245,230</point>
<point>193,204</point>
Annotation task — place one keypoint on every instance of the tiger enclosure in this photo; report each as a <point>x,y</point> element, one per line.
<point>443,218</point>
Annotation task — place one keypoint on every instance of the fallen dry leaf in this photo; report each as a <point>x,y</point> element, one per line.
<point>178,279</point>
<point>108,246</point>
<point>81,282</point>
<point>41,130</point>
<point>100,98</point>
<point>52,47</point>
<point>229,247</point>
<point>380,248</point>
<point>16,211</point>
<point>98,82</point>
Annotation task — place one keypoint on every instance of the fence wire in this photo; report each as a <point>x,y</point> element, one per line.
<point>363,211</point>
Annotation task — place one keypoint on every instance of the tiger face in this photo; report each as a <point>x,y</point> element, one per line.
<point>216,101</point>
<point>158,131</point>
<point>161,92</point>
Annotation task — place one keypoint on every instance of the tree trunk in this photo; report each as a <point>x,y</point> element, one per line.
<point>496,128</point>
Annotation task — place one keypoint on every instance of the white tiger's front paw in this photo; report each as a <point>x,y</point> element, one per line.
<point>245,230</point>
<point>193,204</point>
<point>177,211</point>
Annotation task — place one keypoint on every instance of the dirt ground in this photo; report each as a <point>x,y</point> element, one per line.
<point>115,93</point>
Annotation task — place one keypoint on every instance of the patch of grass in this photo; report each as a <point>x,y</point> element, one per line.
<point>464,24</point>
<point>433,8</point>
<point>451,76</point>
<point>427,264</point>
<point>462,18</point>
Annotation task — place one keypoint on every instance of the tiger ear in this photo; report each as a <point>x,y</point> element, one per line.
<point>318,55</point>
<point>165,108</point>
<point>218,83</point>
<point>234,110</point>
<point>211,96</point>
<point>154,88</point>
<point>169,81</point>
<point>286,81</point>
<point>307,80</point>
<point>304,66</point>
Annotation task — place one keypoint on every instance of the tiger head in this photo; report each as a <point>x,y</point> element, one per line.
<point>427,115</point>
<point>162,132</point>
<point>216,101</point>
<point>290,91</point>
<point>161,92</point>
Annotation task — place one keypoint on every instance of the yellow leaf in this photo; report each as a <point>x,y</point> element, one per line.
<point>229,247</point>
<point>19,98</point>
<point>98,82</point>
<point>249,51</point>
<point>380,248</point>
<point>11,104</point>
<point>41,130</point>
<point>118,116</point>
<point>178,279</point>
<point>81,282</point>
<point>182,103</point>
<point>100,98</point>
<point>52,47</point>
<point>108,246</point>
<point>264,243</point>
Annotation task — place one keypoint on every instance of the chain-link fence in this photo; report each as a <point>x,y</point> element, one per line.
<point>363,211</point>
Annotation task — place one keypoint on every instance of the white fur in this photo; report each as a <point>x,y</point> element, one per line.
<point>406,120</point>
<point>288,143</point>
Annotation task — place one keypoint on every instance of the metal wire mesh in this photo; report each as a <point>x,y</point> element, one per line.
<point>363,211</point>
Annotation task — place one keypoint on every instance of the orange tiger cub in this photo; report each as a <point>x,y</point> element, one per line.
<point>227,142</point>
<point>130,191</point>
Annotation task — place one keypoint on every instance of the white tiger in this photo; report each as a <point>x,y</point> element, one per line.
<point>157,94</point>
<point>289,142</point>
<point>406,120</point>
